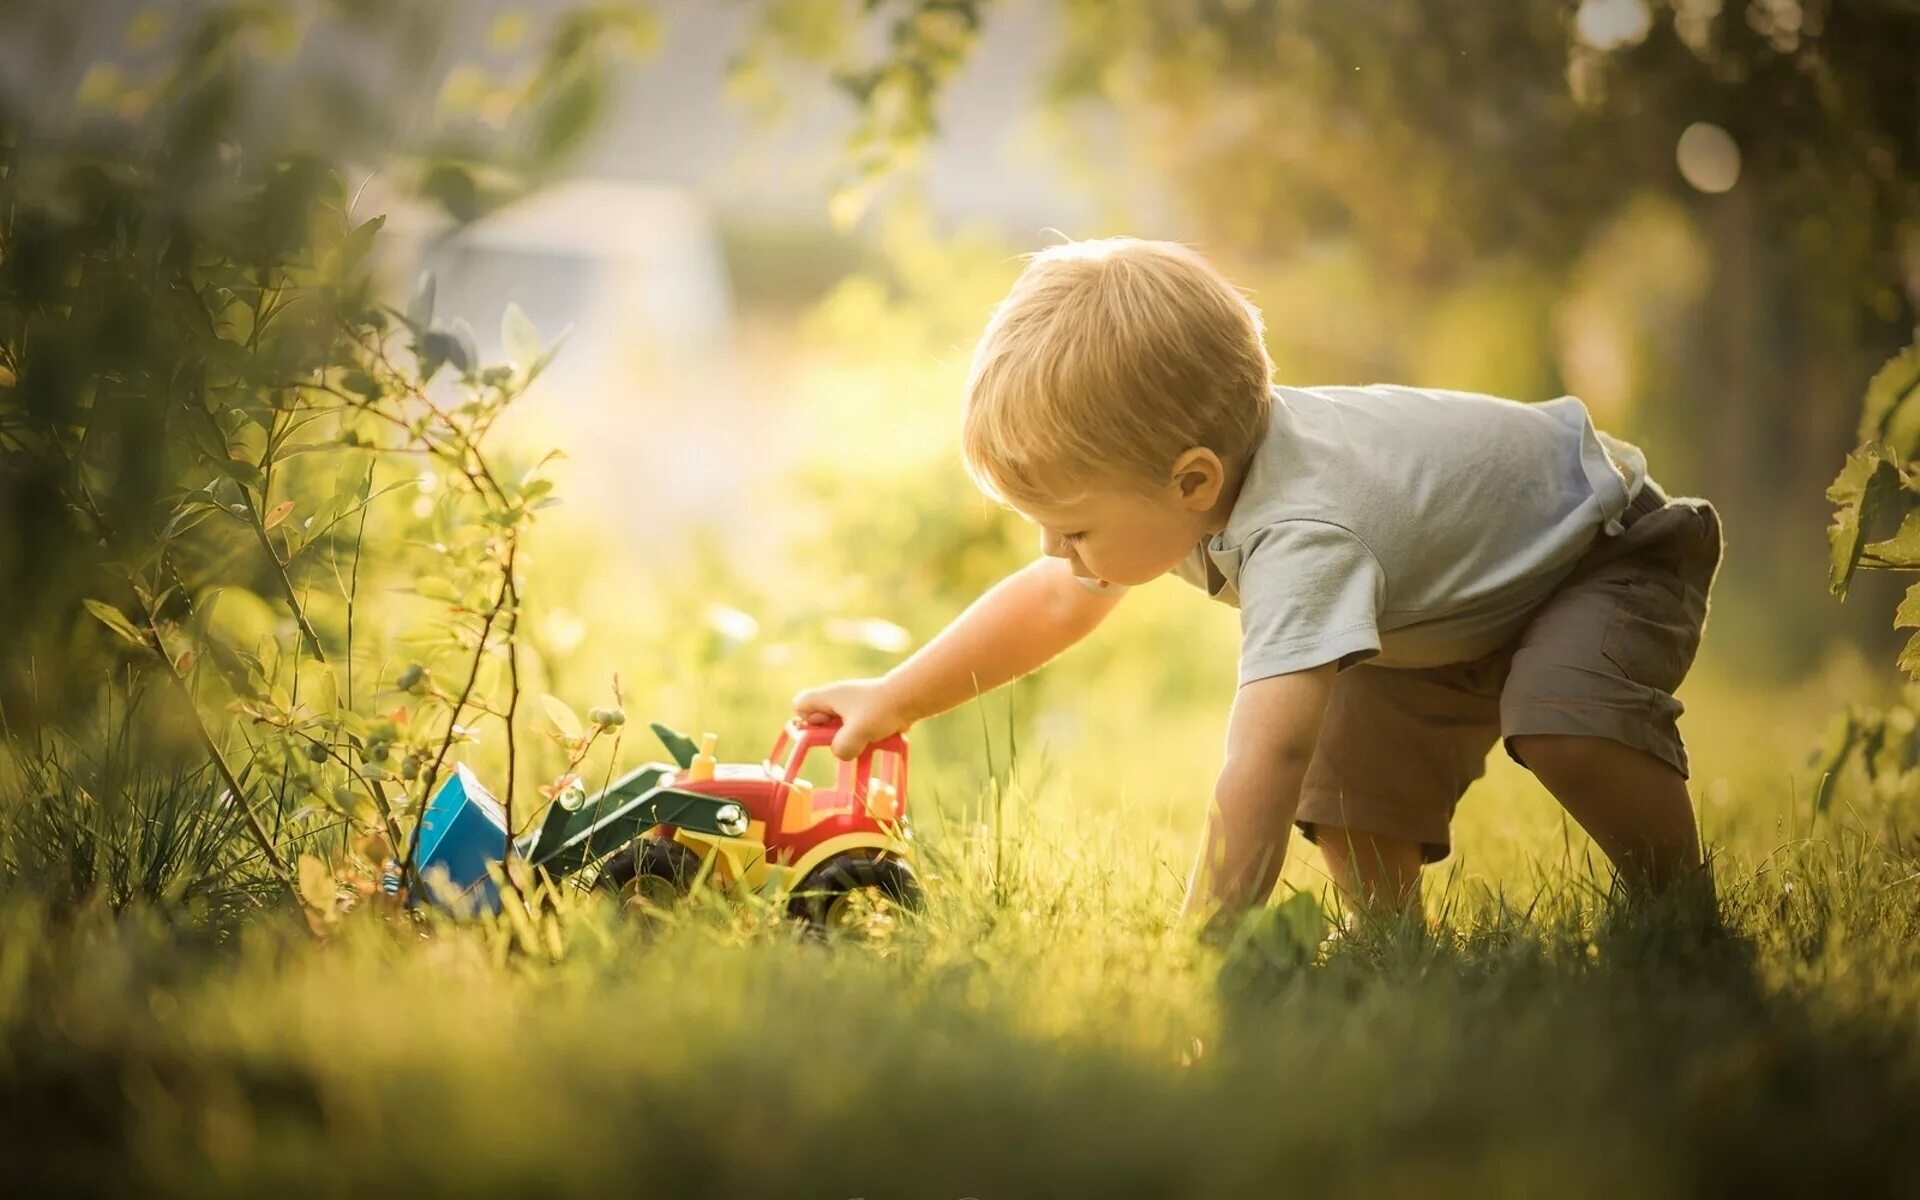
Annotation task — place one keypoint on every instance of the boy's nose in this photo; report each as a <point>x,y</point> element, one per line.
<point>1053,546</point>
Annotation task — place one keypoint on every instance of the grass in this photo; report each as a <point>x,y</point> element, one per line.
<point>121,815</point>
<point>1044,1030</point>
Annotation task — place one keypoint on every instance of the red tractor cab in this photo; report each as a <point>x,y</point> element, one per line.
<point>832,837</point>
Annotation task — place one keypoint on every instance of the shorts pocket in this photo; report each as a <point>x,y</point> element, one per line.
<point>1654,633</point>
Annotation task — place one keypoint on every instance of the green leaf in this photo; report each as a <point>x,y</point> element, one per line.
<point>433,587</point>
<point>519,337</point>
<point>1890,412</point>
<point>115,620</point>
<point>353,249</point>
<point>1901,552</point>
<point>466,353</point>
<point>240,471</point>
<point>1909,660</point>
<point>567,117</point>
<point>420,308</point>
<point>540,364</point>
<point>434,349</point>
<point>1831,756</point>
<point>240,672</point>
<point>189,514</point>
<point>1272,945</point>
<point>456,190</point>
<point>1873,739</point>
<point>1862,492</point>
<point>563,717</point>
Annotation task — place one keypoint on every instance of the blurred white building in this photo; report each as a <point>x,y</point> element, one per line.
<point>663,417</point>
<point>645,397</point>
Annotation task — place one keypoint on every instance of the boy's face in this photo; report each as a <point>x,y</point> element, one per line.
<point>1126,536</point>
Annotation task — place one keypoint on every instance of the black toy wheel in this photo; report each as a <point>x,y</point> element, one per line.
<point>654,872</point>
<point>859,891</point>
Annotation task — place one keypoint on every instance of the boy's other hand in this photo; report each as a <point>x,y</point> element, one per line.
<point>865,708</point>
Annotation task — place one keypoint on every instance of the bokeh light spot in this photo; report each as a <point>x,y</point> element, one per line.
<point>1709,158</point>
<point>1612,24</point>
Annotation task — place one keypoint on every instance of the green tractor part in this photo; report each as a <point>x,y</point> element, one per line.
<point>568,840</point>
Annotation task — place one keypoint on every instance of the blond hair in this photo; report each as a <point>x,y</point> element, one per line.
<point>1106,361</point>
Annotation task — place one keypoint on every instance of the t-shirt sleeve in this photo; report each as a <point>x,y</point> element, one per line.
<point>1310,593</point>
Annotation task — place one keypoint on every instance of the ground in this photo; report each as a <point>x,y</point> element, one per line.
<point>1043,1030</point>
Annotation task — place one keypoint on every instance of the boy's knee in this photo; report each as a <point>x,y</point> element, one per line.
<point>1579,760</point>
<point>1560,755</point>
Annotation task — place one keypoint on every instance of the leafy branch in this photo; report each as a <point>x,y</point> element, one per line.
<point>1876,527</point>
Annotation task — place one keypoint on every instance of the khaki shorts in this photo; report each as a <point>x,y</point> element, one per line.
<point>1600,657</point>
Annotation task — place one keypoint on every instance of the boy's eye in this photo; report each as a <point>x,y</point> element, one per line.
<point>1071,538</point>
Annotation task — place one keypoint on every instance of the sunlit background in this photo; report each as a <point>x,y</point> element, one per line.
<point>765,366</point>
<point>760,239</point>
<point>770,281</point>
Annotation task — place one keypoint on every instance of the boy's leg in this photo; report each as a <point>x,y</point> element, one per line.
<point>1378,876</point>
<point>1396,750</point>
<point>1589,705</point>
<point>1630,802</point>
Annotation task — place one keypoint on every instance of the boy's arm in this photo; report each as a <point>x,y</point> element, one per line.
<point>1014,628</point>
<point>1270,739</point>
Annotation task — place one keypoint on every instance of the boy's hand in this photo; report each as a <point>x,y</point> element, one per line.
<point>866,709</point>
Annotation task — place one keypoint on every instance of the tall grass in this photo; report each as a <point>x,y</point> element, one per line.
<point>1044,1029</point>
<point>110,814</point>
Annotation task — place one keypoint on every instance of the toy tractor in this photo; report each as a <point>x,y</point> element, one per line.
<point>838,854</point>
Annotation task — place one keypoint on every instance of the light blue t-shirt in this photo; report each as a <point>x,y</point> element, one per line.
<point>1407,526</point>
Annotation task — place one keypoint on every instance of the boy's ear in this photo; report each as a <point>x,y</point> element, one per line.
<point>1199,475</point>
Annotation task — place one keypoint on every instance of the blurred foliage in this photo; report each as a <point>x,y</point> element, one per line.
<point>202,401</point>
<point>296,502</point>
<point>1876,527</point>
<point>1877,492</point>
<point>1699,216</point>
<point>154,212</point>
<point>112,814</point>
<point>1498,151</point>
<point>889,58</point>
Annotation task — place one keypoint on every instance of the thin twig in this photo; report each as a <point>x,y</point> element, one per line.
<point>238,792</point>
<point>446,743</point>
<point>513,691</point>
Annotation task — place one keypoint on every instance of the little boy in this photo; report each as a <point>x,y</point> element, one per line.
<point>1418,573</point>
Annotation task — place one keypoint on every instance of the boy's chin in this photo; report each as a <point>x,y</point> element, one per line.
<point>1125,578</point>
